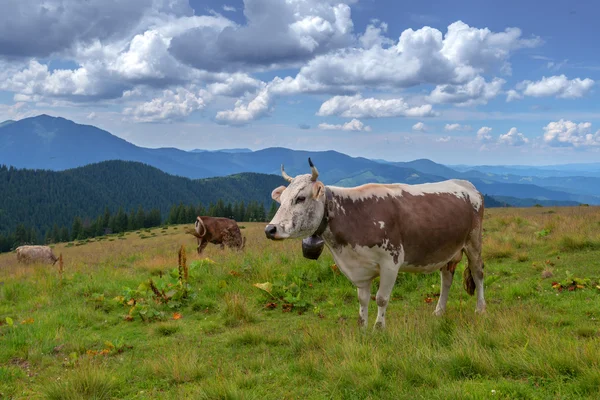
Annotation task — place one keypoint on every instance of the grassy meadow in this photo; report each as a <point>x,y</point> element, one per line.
<point>120,320</point>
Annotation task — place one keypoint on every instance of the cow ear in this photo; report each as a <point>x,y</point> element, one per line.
<point>276,194</point>
<point>318,190</point>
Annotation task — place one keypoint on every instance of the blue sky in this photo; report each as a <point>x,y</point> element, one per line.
<point>458,82</point>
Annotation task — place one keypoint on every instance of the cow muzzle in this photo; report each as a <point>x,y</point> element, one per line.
<point>271,232</point>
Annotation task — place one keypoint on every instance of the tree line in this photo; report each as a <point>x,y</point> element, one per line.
<point>113,223</point>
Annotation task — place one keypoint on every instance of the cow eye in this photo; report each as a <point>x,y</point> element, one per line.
<point>300,199</point>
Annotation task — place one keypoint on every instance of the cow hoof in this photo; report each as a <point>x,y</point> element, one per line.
<point>439,312</point>
<point>379,326</point>
<point>361,322</point>
<point>480,311</point>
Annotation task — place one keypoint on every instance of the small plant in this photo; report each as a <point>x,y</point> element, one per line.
<point>171,289</point>
<point>288,289</point>
<point>572,283</point>
<point>543,233</point>
<point>61,266</point>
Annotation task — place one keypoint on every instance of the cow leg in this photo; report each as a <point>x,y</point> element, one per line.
<point>475,265</point>
<point>202,245</point>
<point>387,279</point>
<point>447,275</point>
<point>364,295</point>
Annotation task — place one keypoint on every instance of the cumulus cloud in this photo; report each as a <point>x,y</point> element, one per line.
<point>244,113</point>
<point>359,107</point>
<point>424,56</point>
<point>457,127</point>
<point>171,106</point>
<point>513,138</point>
<point>129,52</point>
<point>276,33</point>
<point>107,71</point>
<point>33,28</point>
<point>443,139</point>
<point>475,92</point>
<point>568,133</point>
<point>513,95</point>
<point>354,125</point>
<point>484,134</point>
<point>555,86</point>
<point>419,127</point>
<point>235,85</point>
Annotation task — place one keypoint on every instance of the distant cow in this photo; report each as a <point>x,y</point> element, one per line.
<point>221,231</point>
<point>31,254</point>
<point>381,229</point>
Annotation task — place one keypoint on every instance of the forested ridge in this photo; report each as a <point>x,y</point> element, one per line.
<point>38,201</point>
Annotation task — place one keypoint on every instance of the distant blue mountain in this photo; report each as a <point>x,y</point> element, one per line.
<point>565,170</point>
<point>45,142</point>
<point>241,150</point>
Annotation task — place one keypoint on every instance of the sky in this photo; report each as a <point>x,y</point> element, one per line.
<point>460,82</point>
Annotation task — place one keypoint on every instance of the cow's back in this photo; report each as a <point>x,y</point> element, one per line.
<point>423,222</point>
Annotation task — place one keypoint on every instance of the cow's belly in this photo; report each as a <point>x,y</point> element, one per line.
<point>423,269</point>
<point>360,264</point>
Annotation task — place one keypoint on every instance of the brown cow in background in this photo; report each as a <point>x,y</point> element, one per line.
<point>221,231</point>
<point>31,254</point>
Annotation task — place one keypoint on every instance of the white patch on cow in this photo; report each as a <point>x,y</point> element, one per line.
<point>459,188</point>
<point>360,264</point>
<point>381,224</point>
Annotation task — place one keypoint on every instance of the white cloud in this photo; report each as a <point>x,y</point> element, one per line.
<point>172,106</point>
<point>558,86</point>
<point>443,139</point>
<point>229,8</point>
<point>475,92</point>
<point>235,85</point>
<point>374,36</point>
<point>513,138</point>
<point>423,56</point>
<point>31,28</point>
<point>457,127</point>
<point>353,125</point>
<point>419,127</point>
<point>484,134</point>
<point>276,33</point>
<point>245,113</point>
<point>109,70</point>
<point>359,107</point>
<point>513,95</point>
<point>92,116</point>
<point>567,133</point>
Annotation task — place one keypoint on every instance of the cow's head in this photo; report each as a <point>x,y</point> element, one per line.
<point>302,206</point>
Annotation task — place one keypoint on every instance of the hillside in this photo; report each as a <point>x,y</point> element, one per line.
<point>43,198</point>
<point>57,144</point>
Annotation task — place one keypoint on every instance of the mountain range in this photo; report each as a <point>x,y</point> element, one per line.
<point>54,143</point>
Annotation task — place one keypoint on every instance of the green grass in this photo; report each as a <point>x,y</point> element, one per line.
<point>229,339</point>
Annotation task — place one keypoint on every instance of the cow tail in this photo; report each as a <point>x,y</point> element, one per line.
<point>468,281</point>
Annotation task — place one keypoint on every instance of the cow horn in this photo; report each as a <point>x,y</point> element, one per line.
<point>285,176</point>
<point>315,173</point>
<point>198,219</point>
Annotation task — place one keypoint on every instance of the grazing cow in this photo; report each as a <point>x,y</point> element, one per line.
<point>31,254</point>
<point>380,229</point>
<point>221,231</point>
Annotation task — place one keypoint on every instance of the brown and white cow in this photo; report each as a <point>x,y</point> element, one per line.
<point>381,229</point>
<point>32,254</point>
<point>216,230</point>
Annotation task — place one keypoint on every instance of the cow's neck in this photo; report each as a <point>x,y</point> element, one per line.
<point>325,220</point>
